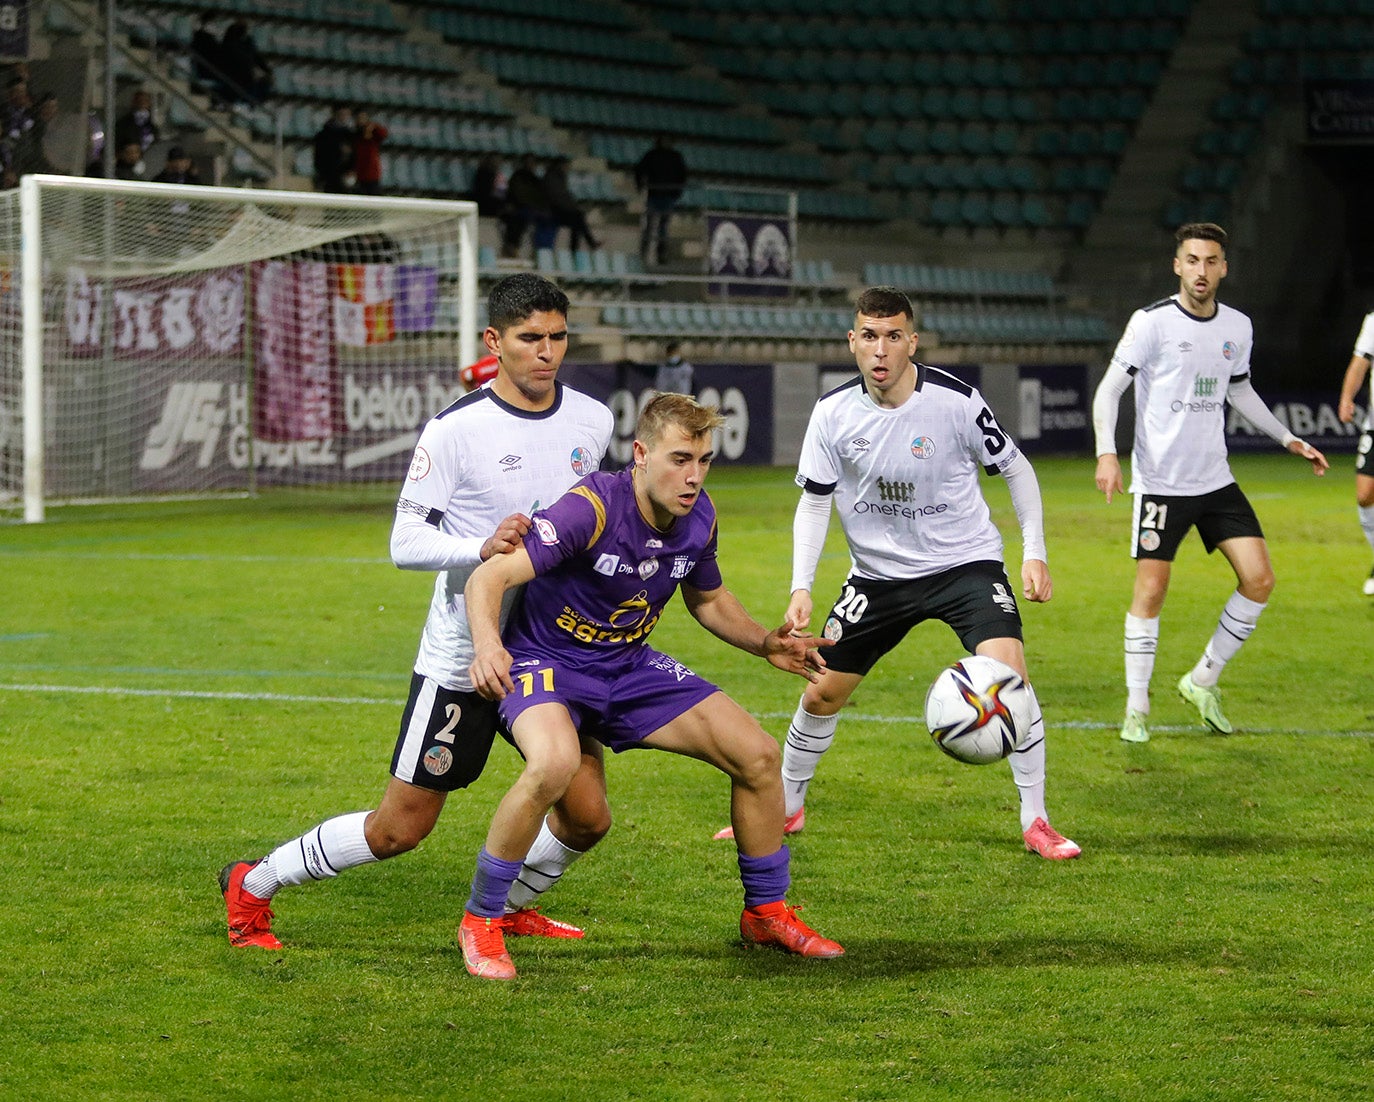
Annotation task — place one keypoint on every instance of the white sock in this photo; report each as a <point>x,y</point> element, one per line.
<point>545,863</point>
<point>1028,768</point>
<point>1238,620</point>
<point>808,737</point>
<point>318,854</point>
<point>1367,523</point>
<point>1142,640</point>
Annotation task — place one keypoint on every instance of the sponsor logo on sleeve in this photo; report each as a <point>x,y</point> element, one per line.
<point>420,465</point>
<point>548,534</point>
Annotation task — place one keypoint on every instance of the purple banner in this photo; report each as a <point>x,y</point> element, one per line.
<point>1055,407</point>
<point>417,296</point>
<point>745,247</point>
<point>1311,415</point>
<point>744,393</point>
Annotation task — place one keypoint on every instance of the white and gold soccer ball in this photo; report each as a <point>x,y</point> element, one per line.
<point>978,710</point>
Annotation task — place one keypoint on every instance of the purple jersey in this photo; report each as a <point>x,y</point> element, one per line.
<point>604,573</point>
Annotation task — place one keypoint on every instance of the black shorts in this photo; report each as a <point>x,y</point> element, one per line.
<point>1363,463</point>
<point>871,618</point>
<point>445,736</point>
<point>1160,522</point>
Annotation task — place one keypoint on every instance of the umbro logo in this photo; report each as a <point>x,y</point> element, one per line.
<point>1185,346</point>
<point>860,443</point>
<point>509,460</point>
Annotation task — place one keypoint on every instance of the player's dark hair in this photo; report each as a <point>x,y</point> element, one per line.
<point>1200,231</point>
<point>516,297</point>
<point>676,409</point>
<point>884,302</point>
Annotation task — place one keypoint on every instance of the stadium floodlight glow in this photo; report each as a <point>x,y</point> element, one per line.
<point>176,339</point>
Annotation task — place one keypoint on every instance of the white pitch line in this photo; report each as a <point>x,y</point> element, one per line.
<point>193,694</point>
<point>297,698</point>
<point>149,556</point>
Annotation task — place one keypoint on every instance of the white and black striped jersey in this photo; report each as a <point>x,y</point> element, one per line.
<point>1364,346</point>
<point>476,463</point>
<point>905,480</point>
<point>1182,365</point>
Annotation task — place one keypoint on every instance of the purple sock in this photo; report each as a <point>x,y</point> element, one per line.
<point>491,884</point>
<point>765,878</point>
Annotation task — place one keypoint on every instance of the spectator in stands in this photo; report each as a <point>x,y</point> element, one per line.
<point>206,68</point>
<point>334,151</point>
<point>29,153</point>
<point>179,169</point>
<point>527,204</point>
<point>675,375</point>
<point>488,187</point>
<point>247,75</point>
<point>17,117</point>
<point>128,162</point>
<point>368,137</point>
<point>662,175</point>
<point>564,207</point>
<point>136,124</point>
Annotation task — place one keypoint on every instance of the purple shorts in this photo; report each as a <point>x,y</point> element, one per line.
<point>619,703</point>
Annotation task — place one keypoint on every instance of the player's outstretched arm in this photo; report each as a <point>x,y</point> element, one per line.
<point>1319,464</point>
<point>720,613</point>
<point>490,669</point>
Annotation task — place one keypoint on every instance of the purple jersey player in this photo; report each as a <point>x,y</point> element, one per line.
<point>601,563</point>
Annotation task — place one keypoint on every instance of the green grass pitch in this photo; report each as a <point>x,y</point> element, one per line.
<point>182,684</point>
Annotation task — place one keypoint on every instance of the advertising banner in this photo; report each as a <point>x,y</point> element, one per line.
<point>744,393</point>
<point>1055,408</point>
<point>1339,110</point>
<point>1309,415</point>
<point>177,316</point>
<point>197,420</point>
<point>743,246</point>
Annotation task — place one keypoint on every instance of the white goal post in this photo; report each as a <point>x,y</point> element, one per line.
<point>164,339</point>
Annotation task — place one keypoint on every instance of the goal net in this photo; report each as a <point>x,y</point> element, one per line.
<point>164,339</point>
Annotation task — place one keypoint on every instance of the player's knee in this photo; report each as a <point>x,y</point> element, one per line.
<point>1258,587</point>
<point>1364,493</point>
<point>548,775</point>
<point>760,760</point>
<point>583,824</point>
<point>391,836</point>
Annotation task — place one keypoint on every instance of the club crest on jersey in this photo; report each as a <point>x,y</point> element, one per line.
<point>1230,350</point>
<point>547,532</point>
<point>1149,540</point>
<point>606,565</point>
<point>923,447</point>
<point>419,465</point>
<point>833,629</point>
<point>438,760</point>
<point>682,566</point>
<point>582,462</point>
<point>647,569</point>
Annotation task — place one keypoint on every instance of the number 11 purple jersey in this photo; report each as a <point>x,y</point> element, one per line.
<point>604,574</point>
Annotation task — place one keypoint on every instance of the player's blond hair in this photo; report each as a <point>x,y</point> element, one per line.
<point>679,410</point>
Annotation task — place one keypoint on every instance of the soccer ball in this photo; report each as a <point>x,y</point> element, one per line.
<point>978,710</point>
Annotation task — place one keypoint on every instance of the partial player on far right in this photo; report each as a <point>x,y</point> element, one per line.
<point>1355,374</point>
<point>1188,355</point>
